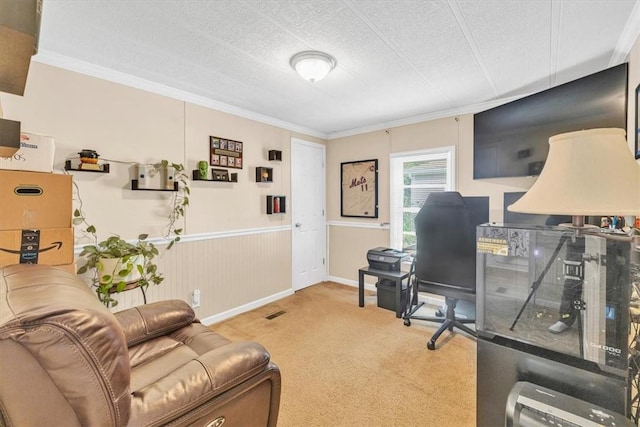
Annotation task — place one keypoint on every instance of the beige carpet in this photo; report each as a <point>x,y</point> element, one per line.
<point>343,365</point>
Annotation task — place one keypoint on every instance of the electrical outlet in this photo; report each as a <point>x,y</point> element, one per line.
<point>195,299</point>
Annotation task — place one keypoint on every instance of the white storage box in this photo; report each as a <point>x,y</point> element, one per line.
<point>35,154</point>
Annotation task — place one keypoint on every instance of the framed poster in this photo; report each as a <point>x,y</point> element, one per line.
<point>637,128</point>
<point>359,189</point>
<point>225,152</point>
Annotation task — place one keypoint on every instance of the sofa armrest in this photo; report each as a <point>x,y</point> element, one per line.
<point>148,321</point>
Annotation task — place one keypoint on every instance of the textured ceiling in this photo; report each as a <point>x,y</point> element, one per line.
<point>398,61</point>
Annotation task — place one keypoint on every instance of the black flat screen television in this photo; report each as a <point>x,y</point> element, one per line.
<point>513,139</point>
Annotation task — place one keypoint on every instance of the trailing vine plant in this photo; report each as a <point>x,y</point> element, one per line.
<point>137,256</point>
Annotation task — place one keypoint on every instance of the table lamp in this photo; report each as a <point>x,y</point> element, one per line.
<point>588,172</point>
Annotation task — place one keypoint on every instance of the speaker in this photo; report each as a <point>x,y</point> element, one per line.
<point>143,175</point>
<point>168,177</point>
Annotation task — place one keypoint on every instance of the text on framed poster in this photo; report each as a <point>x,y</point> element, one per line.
<point>359,189</point>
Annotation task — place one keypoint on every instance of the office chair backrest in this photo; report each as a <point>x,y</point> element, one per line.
<point>446,242</point>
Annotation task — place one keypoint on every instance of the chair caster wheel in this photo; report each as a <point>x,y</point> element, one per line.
<point>407,322</point>
<point>431,345</point>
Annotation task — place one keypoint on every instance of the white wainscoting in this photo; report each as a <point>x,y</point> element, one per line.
<point>235,271</point>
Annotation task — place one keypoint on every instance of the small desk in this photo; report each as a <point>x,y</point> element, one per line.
<point>396,276</point>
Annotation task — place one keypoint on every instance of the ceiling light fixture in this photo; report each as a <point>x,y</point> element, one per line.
<point>312,65</point>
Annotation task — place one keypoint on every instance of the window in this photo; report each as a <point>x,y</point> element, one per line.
<point>413,176</point>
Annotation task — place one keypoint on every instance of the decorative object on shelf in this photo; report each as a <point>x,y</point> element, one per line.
<point>203,170</point>
<point>144,177</point>
<point>101,168</point>
<point>88,156</point>
<point>264,174</point>
<point>225,152</point>
<point>275,155</point>
<point>168,176</point>
<point>359,189</point>
<point>217,175</point>
<point>276,204</point>
<point>89,160</point>
<point>119,265</point>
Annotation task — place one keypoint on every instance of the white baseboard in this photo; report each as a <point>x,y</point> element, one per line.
<point>207,321</point>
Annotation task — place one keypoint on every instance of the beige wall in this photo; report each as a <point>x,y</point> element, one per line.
<point>232,251</point>
<point>348,245</point>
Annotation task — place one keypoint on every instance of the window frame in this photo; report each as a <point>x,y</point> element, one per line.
<point>397,187</point>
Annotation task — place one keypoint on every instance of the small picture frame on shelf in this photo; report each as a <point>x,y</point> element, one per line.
<point>223,160</point>
<point>239,162</point>
<point>220,174</point>
<point>238,147</point>
<point>215,159</point>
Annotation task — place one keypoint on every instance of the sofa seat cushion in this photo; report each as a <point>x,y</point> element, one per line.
<point>173,374</point>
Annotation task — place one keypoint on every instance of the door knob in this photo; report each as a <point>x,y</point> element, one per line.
<point>298,225</point>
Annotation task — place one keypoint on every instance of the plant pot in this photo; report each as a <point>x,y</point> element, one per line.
<point>111,267</point>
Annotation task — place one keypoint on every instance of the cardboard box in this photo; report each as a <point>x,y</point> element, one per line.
<point>34,200</point>
<point>52,246</point>
<point>35,154</point>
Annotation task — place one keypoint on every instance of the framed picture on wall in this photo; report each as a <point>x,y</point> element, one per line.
<point>359,189</point>
<point>225,152</point>
<point>637,128</point>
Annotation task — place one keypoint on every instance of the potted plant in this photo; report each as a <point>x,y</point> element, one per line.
<point>119,265</point>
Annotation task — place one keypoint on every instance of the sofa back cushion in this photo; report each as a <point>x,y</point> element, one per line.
<point>60,323</point>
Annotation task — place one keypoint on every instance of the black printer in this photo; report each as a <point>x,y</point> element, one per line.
<point>385,258</point>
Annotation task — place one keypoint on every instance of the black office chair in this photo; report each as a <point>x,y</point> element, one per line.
<point>445,259</point>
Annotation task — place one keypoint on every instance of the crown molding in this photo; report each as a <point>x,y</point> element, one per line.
<point>469,109</point>
<point>627,38</point>
<point>82,67</point>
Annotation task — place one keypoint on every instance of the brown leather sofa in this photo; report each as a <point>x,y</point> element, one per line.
<point>66,360</point>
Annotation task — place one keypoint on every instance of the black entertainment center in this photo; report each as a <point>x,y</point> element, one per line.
<point>513,139</point>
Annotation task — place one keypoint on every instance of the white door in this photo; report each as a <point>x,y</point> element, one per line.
<point>309,230</point>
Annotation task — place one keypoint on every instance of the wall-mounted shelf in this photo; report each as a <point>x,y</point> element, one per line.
<point>218,175</point>
<point>276,205</point>
<point>264,174</point>
<point>275,155</point>
<point>86,167</point>
<point>134,186</point>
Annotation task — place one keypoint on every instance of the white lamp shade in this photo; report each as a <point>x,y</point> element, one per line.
<point>589,172</point>
<point>312,66</point>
